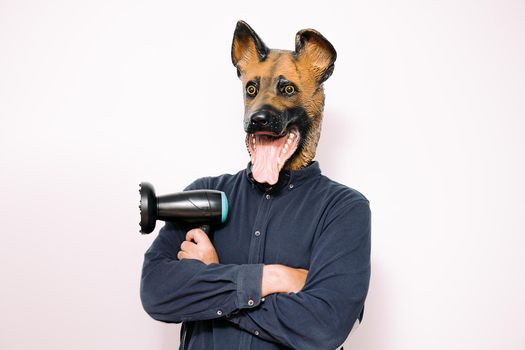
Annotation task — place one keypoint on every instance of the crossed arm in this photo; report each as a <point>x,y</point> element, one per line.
<point>276,278</point>
<point>183,280</point>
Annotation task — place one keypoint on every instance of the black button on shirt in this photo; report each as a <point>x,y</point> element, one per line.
<point>305,221</point>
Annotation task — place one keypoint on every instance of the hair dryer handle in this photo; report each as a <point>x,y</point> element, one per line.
<point>206,229</point>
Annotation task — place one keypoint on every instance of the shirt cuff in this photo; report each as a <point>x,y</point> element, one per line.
<point>249,283</point>
<point>245,322</point>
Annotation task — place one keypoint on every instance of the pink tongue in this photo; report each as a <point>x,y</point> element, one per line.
<point>264,160</point>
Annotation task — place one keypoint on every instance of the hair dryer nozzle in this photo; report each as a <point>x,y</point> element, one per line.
<point>148,207</point>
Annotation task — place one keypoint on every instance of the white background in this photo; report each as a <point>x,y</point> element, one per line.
<point>424,115</point>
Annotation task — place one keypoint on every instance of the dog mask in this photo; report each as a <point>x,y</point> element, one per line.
<point>283,99</point>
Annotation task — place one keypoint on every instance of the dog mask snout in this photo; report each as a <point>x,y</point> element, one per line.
<point>265,119</point>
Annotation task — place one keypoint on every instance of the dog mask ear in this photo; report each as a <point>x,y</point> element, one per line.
<point>246,46</point>
<point>316,52</point>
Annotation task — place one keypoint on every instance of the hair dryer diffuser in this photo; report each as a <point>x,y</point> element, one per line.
<point>199,207</point>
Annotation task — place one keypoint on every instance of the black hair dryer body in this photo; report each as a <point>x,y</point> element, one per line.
<point>199,207</point>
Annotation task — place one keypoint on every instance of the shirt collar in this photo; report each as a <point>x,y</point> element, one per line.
<point>287,178</point>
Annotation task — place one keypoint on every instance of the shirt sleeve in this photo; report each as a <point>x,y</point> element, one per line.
<point>323,313</point>
<point>189,290</point>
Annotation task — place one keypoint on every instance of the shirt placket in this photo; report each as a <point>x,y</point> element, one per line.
<point>256,250</point>
<point>255,254</point>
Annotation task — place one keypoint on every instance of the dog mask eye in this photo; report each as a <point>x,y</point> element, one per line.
<point>251,90</point>
<point>288,90</point>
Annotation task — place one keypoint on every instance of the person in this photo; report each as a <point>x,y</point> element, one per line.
<point>290,267</point>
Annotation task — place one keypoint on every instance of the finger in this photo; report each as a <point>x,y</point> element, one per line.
<point>197,235</point>
<point>188,247</point>
<point>182,255</point>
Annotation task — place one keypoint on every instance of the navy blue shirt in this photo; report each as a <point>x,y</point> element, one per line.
<point>305,221</point>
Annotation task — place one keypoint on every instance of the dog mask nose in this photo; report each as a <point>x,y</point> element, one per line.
<point>265,119</point>
<point>260,118</point>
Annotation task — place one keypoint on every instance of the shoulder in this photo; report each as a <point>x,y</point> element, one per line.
<point>340,195</point>
<point>219,182</point>
<point>348,214</point>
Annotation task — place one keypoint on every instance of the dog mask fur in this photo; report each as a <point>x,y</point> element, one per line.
<point>283,99</point>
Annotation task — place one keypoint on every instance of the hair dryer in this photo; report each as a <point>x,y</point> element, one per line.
<point>198,207</point>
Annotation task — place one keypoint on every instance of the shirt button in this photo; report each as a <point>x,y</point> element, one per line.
<point>267,196</point>
<point>257,233</point>
<point>219,312</point>
<point>250,302</point>
<point>256,332</point>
